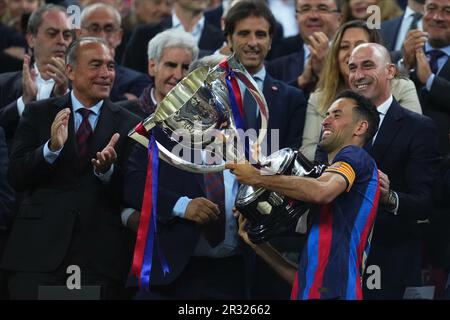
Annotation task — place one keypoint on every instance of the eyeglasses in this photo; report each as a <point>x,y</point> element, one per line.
<point>97,29</point>
<point>321,9</point>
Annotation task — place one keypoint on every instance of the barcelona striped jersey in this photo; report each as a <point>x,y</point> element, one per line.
<point>332,262</point>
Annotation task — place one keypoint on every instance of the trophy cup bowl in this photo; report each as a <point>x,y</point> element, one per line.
<point>199,108</point>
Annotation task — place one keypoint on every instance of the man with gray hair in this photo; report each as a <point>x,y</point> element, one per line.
<point>169,55</point>
<point>67,158</point>
<point>43,74</point>
<point>196,228</point>
<point>104,21</point>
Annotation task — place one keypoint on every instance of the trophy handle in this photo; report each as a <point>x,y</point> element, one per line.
<point>243,75</point>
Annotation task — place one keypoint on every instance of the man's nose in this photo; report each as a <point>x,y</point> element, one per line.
<point>178,73</point>
<point>252,40</point>
<point>325,121</point>
<point>104,71</point>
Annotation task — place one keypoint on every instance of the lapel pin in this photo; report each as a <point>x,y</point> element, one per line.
<point>274,88</point>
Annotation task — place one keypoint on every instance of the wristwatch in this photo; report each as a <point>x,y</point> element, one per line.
<point>392,202</point>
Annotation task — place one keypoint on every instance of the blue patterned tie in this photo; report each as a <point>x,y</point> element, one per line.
<point>434,57</point>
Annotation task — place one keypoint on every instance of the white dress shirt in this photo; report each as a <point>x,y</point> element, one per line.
<point>196,32</point>
<point>44,90</point>
<point>404,27</point>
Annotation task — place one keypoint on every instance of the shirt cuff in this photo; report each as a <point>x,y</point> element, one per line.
<point>180,207</point>
<point>430,82</point>
<point>50,156</point>
<point>105,177</point>
<point>125,215</point>
<point>20,106</point>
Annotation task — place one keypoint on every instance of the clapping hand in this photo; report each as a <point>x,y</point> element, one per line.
<point>107,156</point>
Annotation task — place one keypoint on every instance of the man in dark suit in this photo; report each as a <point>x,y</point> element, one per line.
<point>405,150</point>
<point>216,16</point>
<point>300,65</point>
<point>198,270</point>
<point>188,15</point>
<point>6,206</point>
<point>103,20</point>
<point>12,47</point>
<point>394,31</point>
<point>68,156</point>
<point>249,27</point>
<point>426,57</point>
<point>48,35</point>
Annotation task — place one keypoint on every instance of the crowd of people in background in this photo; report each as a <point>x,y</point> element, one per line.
<point>72,182</point>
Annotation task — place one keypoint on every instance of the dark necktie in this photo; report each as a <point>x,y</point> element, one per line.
<point>434,57</point>
<point>84,132</point>
<point>214,231</point>
<point>415,21</point>
<point>250,109</point>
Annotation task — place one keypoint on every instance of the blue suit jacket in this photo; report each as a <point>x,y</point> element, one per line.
<point>128,81</point>
<point>435,104</point>
<point>389,32</point>
<point>287,107</point>
<point>287,68</point>
<point>406,150</point>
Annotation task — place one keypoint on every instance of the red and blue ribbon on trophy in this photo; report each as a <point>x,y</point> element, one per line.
<point>147,241</point>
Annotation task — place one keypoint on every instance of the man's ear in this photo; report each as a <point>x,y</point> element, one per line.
<point>230,44</point>
<point>151,67</point>
<point>361,128</point>
<point>69,72</point>
<point>30,39</point>
<point>392,71</point>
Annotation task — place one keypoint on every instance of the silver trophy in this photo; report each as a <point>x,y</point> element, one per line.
<point>199,107</point>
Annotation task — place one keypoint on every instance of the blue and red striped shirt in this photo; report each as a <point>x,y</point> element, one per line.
<point>332,261</point>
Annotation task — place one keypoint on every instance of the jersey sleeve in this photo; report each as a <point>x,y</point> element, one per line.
<point>352,163</point>
<point>345,170</point>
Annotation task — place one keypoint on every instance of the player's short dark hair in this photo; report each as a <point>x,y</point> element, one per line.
<point>365,110</point>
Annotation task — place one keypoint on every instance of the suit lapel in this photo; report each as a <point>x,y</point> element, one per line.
<point>387,132</point>
<point>445,71</point>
